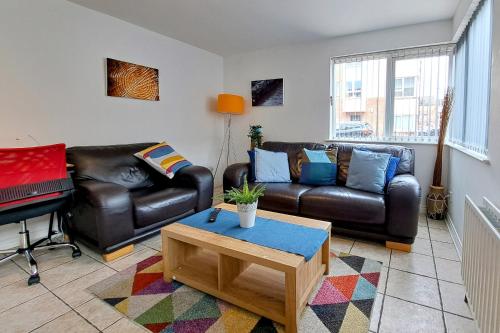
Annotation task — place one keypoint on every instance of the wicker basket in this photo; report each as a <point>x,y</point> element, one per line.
<point>437,203</point>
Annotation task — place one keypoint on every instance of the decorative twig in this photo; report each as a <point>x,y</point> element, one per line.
<point>445,117</point>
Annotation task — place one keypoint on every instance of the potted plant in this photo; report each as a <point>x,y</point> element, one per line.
<point>246,201</point>
<point>255,135</point>
<point>436,199</point>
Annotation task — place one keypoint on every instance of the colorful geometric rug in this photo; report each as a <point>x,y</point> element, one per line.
<point>342,302</point>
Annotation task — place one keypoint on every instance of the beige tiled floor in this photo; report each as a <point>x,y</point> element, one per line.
<point>418,292</point>
<point>424,291</point>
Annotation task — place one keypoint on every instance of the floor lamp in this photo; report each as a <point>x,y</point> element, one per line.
<point>228,104</point>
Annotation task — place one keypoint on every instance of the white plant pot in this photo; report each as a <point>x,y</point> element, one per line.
<point>247,214</point>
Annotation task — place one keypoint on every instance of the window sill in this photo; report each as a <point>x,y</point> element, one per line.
<point>480,157</point>
<point>382,141</point>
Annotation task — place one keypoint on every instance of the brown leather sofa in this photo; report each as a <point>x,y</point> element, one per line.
<point>392,216</point>
<point>120,199</point>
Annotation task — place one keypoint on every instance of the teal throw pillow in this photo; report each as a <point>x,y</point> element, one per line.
<point>320,174</point>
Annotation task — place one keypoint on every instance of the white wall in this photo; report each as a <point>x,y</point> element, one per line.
<point>306,71</point>
<point>468,175</point>
<point>52,83</point>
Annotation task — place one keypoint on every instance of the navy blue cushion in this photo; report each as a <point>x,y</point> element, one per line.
<point>392,168</point>
<point>251,172</point>
<point>317,173</point>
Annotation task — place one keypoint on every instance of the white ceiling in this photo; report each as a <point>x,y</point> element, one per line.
<point>227,27</point>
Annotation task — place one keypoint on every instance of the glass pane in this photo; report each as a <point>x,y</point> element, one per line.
<point>357,88</point>
<point>399,84</point>
<point>425,83</point>
<point>360,109</point>
<point>348,87</point>
<point>409,91</point>
<point>409,84</point>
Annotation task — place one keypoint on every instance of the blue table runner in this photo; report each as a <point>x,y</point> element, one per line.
<point>270,233</point>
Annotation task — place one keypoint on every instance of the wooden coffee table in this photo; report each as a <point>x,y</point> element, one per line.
<point>268,282</point>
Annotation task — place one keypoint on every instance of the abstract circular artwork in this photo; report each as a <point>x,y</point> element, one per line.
<point>132,81</point>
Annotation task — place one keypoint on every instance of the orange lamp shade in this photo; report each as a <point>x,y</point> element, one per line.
<point>227,103</point>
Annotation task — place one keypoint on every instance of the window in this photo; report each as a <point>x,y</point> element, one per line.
<point>394,95</point>
<point>368,105</point>
<point>353,89</point>
<point>352,75</point>
<point>469,120</point>
<point>404,87</point>
<point>417,111</point>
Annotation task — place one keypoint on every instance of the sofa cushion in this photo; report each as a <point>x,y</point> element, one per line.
<point>392,168</point>
<point>163,158</point>
<point>251,170</point>
<point>292,149</point>
<point>367,171</point>
<point>335,203</point>
<point>158,205</point>
<point>318,174</point>
<point>112,164</point>
<point>282,197</point>
<point>344,151</point>
<point>271,167</point>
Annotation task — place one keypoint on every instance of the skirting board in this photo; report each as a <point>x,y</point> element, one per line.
<point>9,233</point>
<point>454,236</point>
<point>423,207</point>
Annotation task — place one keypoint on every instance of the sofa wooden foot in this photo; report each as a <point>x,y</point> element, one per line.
<point>398,246</point>
<point>118,253</point>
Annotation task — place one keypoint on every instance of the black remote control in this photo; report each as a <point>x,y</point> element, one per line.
<point>213,215</point>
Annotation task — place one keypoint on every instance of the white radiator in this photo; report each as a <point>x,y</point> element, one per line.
<point>481,263</point>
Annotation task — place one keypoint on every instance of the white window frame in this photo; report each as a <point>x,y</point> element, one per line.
<point>403,86</point>
<point>391,56</point>
<point>351,91</point>
<point>358,116</point>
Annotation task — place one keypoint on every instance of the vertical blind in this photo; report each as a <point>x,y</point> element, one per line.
<point>391,95</point>
<point>359,95</point>
<point>469,123</point>
<point>417,111</point>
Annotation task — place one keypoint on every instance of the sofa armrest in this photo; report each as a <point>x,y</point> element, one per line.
<point>199,178</point>
<point>104,195</point>
<point>403,206</point>
<point>103,212</point>
<point>235,175</point>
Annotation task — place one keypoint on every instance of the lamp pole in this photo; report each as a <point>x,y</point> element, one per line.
<point>228,104</point>
<point>227,137</point>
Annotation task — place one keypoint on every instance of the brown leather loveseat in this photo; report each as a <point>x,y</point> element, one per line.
<point>120,199</point>
<point>392,216</point>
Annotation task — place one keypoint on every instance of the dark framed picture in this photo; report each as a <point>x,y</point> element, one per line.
<point>132,81</point>
<point>267,92</point>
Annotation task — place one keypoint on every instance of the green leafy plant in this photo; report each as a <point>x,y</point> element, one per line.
<point>246,195</point>
<point>255,135</point>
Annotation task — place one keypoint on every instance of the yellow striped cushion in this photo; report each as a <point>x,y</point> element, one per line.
<point>163,158</point>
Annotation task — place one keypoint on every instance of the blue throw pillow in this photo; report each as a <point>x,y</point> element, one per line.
<point>367,171</point>
<point>251,172</point>
<point>316,156</point>
<point>271,167</point>
<point>320,174</point>
<point>392,168</point>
